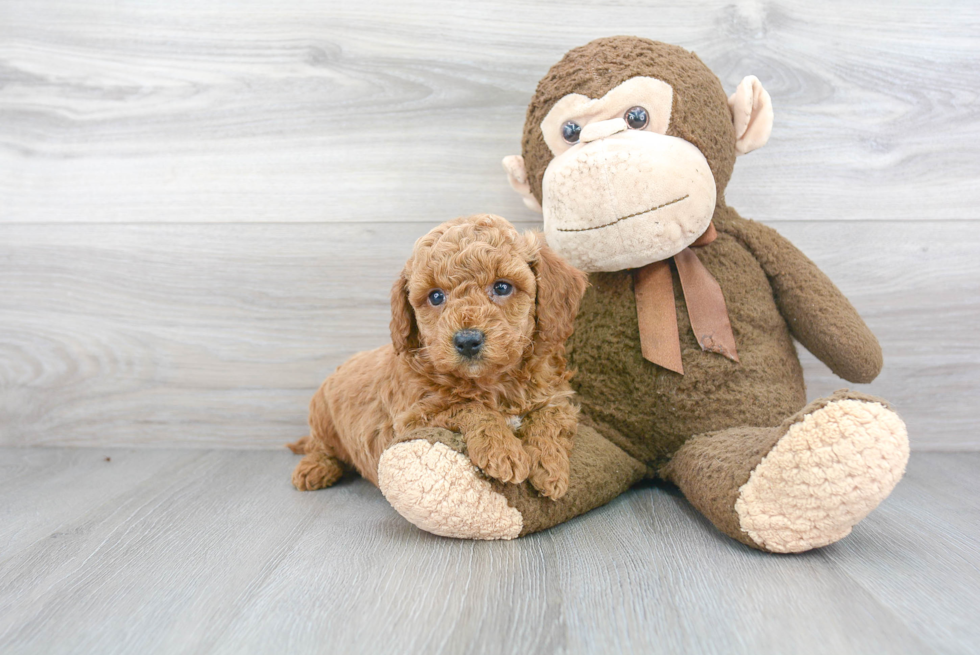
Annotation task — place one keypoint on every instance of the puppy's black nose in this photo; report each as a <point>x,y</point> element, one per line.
<point>468,342</point>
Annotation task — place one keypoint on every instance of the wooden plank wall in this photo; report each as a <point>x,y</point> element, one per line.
<point>203,204</point>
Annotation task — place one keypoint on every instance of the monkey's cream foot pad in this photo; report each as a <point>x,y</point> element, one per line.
<point>823,476</point>
<point>439,490</point>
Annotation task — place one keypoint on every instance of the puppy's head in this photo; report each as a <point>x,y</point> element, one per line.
<point>477,297</point>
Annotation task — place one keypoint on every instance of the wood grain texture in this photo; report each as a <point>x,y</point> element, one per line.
<point>214,552</point>
<point>48,487</point>
<point>202,204</point>
<point>217,335</point>
<point>202,207</point>
<point>906,568</point>
<point>234,111</point>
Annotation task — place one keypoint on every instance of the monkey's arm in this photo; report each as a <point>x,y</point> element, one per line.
<point>818,314</point>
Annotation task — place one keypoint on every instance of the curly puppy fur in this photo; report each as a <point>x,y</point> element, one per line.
<point>511,401</point>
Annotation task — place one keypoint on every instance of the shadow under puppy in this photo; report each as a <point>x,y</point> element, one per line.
<point>480,315</point>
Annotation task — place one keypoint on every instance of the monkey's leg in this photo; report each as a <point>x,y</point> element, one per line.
<point>428,478</point>
<point>801,485</point>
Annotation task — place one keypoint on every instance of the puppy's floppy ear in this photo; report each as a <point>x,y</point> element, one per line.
<point>560,289</point>
<point>404,330</point>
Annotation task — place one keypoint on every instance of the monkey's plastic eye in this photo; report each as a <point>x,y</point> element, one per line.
<point>637,118</point>
<point>437,297</point>
<point>570,131</point>
<point>502,289</point>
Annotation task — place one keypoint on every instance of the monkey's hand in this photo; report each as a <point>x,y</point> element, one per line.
<point>819,316</point>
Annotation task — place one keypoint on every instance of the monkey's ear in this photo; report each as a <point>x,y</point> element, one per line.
<point>752,115</point>
<point>404,330</point>
<point>517,176</point>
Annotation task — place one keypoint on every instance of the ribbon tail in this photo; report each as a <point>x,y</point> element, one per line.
<point>705,306</point>
<point>657,316</point>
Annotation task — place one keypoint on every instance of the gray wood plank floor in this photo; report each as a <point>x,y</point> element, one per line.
<point>197,551</point>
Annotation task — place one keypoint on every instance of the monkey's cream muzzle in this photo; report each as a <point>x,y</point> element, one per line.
<point>623,199</point>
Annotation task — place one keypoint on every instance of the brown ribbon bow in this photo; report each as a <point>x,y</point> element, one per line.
<point>654,288</point>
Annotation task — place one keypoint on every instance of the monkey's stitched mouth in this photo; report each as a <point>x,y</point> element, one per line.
<point>623,218</point>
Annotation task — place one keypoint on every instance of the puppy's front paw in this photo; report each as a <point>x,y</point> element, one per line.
<point>550,469</point>
<point>499,454</point>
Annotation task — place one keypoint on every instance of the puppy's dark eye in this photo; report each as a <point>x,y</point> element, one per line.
<point>437,297</point>
<point>570,131</point>
<point>637,118</point>
<point>502,289</point>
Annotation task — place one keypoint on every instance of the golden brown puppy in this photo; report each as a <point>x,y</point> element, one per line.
<point>480,315</point>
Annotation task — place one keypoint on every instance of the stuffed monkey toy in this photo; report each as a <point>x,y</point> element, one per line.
<point>683,345</point>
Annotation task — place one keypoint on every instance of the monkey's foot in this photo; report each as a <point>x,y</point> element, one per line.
<point>441,491</point>
<point>826,473</point>
<point>429,479</point>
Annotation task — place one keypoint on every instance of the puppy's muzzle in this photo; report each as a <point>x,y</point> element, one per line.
<point>468,343</point>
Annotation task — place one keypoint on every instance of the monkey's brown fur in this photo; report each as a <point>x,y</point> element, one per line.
<point>419,380</point>
<point>712,428</point>
<point>773,293</point>
<point>699,112</point>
